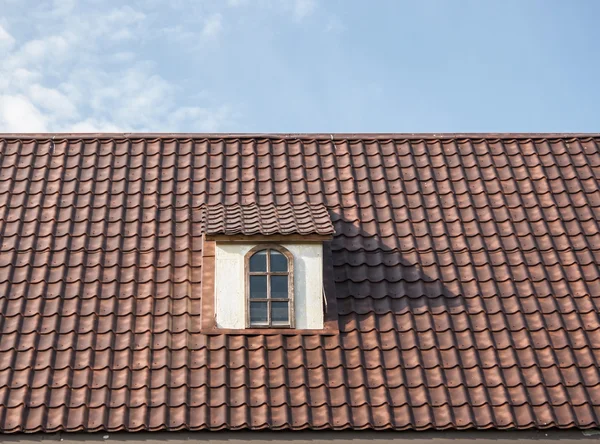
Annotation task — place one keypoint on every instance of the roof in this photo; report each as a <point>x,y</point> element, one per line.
<point>267,219</point>
<point>465,272</point>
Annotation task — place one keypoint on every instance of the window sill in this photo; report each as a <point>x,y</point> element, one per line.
<point>269,331</point>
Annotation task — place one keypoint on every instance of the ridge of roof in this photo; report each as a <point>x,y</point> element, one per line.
<point>294,136</point>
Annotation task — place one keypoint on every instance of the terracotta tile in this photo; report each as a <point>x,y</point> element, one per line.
<point>467,287</point>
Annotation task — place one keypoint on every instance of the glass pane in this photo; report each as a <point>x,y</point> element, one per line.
<point>258,261</point>
<point>258,287</point>
<point>279,287</point>
<point>279,313</point>
<point>278,261</point>
<point>258,313</point>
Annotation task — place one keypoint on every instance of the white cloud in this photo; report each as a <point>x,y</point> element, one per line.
<point>36,52</point>
<point>6,40</point>
<point>18,79</point>
<point>118,24</point>
<point>303,8</point>
<point>179,34</point>
<point>103,66</point>
<point>212,26</point>
<point>82,71</point>
<point>63,7</point>
<point>18,114</point>
<point>52,100</point>
<point>123,56</point>
<point>92,125</point>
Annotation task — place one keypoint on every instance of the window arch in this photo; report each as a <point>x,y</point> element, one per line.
<point>269,287</point>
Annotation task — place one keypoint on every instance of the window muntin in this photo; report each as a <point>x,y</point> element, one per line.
<point>269,287</point>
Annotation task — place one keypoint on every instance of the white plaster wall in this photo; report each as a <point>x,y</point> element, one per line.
<point>229,284</point>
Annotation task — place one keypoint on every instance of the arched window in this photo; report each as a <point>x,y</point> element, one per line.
<point>270,287</point>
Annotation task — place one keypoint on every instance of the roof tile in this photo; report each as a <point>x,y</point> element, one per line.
<point>465,272</point>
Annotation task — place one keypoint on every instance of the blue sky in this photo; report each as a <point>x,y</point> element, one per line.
<point>299,66</point>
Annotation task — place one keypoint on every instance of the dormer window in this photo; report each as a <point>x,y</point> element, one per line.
<point>269,287</point>
<point>263,269</point>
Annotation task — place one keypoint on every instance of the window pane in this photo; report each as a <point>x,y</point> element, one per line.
<point>258,287</point>
<point>279,287</point>
<point>258,261</point>
<point>258,313</point>
<point>278,261</point>
<point>279,313</point>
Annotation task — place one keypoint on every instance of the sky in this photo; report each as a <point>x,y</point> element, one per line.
<point>298,66</point>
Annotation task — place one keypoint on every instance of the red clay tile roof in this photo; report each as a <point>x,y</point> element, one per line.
<point>268,219</point>
<point>466,273</point>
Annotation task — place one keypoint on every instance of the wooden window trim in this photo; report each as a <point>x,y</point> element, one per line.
<point>208,317</point>
<point>268,274</point>
<point>208,324</point>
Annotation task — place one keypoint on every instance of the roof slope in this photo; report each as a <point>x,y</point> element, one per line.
<point>465,271</point>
